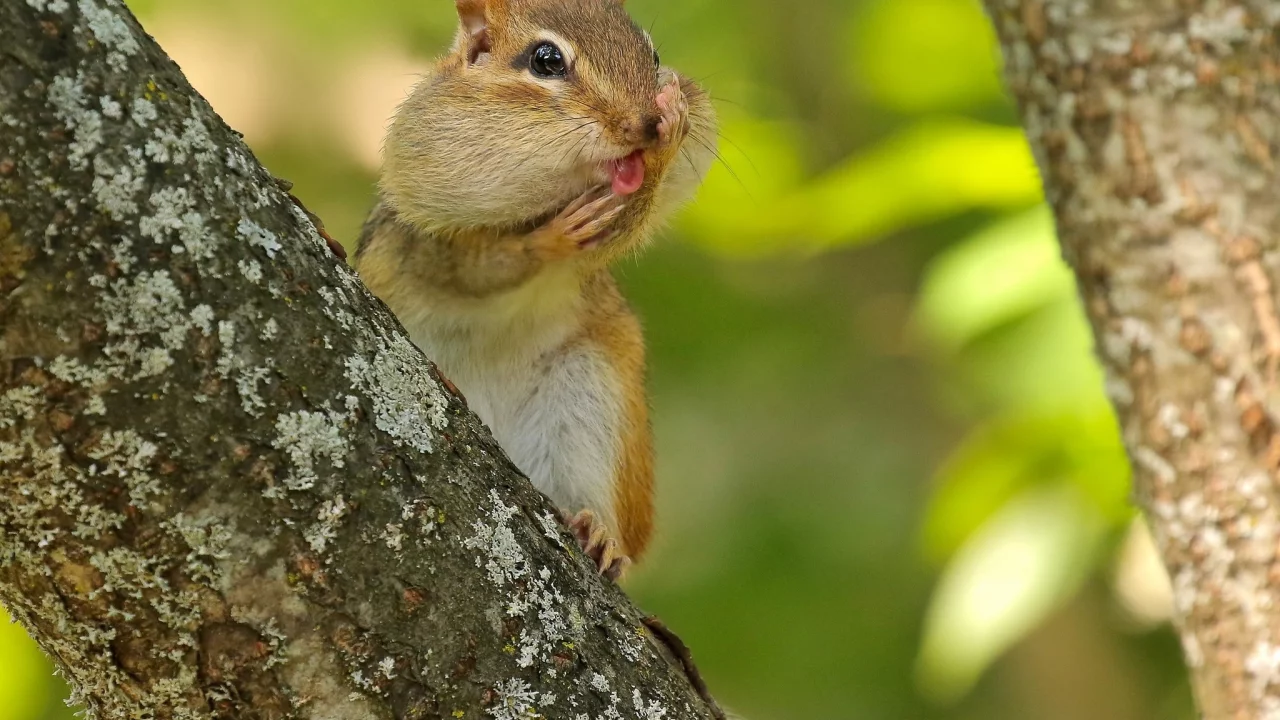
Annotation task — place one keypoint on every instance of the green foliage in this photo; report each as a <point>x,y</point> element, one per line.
<point>1022,562</point>
<point>1024,501</point>
<point>26,687</point>
<point>925,173</point>
<point>948,59</point>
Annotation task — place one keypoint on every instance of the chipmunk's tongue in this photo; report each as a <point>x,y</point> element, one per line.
<point>628,173</point>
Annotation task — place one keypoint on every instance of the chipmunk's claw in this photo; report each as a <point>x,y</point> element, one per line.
<point>335,247</point>
<point>583,223</point>
<point>592,538</point>
<point>448,385</point>
<point>588,217</point>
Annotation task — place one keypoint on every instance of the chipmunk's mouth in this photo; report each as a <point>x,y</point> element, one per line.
<point>627,173</point>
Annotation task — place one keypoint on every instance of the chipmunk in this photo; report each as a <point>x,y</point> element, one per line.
<point>549,142</point>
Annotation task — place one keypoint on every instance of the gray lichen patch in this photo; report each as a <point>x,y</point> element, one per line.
<point>408,403</point>
<point>147,320</point>
<point>111,31</point>
<point>328,519</point>
<point>173,215</point>
<point>53,6</point>
<point>259,237</point>
<point>309,437</point>
<point>516,700</point>
<point>70,102</point>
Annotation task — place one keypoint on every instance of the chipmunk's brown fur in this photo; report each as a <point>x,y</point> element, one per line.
<point>505,195</point>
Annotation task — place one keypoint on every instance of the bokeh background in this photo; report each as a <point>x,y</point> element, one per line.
<point>891,486</point>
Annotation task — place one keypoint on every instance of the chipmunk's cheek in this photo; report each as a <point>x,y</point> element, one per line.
<point>627,173</point>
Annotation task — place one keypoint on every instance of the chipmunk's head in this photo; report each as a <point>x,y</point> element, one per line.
<point>538,101</point>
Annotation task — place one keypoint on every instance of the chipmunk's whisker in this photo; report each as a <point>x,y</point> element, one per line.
<point>741,152</point>
<point>702,141</point>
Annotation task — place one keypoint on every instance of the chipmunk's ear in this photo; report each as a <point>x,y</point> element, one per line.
<point>477,17</point>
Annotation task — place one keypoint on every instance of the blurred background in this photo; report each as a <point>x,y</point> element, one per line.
<point>890,484</point>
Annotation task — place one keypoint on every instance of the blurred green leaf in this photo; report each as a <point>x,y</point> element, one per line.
<point>923,174</point>
<point>1007,270</point>
<point>24,673</point>
<point>1043,361</point>
<point>1007,456</point>
<point>920,55</point>
<point>1023,564</point>
<point>1002,309</point>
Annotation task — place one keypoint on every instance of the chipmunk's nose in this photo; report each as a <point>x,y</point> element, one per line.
<point>651,127</point>
<point>643,129</point>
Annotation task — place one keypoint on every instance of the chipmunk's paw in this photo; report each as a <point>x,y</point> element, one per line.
<point>593,539</point>
<point>583,223</point>
<point>675,112</point>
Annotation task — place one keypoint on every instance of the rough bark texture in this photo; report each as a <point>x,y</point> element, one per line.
<point>1155,125</point>
<point>229,486</point>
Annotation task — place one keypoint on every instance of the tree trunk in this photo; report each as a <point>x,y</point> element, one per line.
<point>1155,126</point>
<point>229,485</point>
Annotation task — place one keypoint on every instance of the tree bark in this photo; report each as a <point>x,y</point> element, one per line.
<point>229,485</point>
<point>1155,126</point>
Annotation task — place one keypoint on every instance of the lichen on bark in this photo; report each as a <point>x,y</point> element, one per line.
<point>229,485</point>
<point>1155,125</point>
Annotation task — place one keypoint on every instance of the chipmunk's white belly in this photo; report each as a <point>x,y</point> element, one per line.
<point>551,400</point>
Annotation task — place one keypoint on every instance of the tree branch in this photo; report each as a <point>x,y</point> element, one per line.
<point>229,485</point>
<point>1155,125</point>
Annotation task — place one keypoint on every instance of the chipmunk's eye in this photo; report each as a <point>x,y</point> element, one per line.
<point>547,61</point>
<point>657,61</point>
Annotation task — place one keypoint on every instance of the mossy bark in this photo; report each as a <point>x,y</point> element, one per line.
<point>229,485</point>
<point>1155,125</point>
